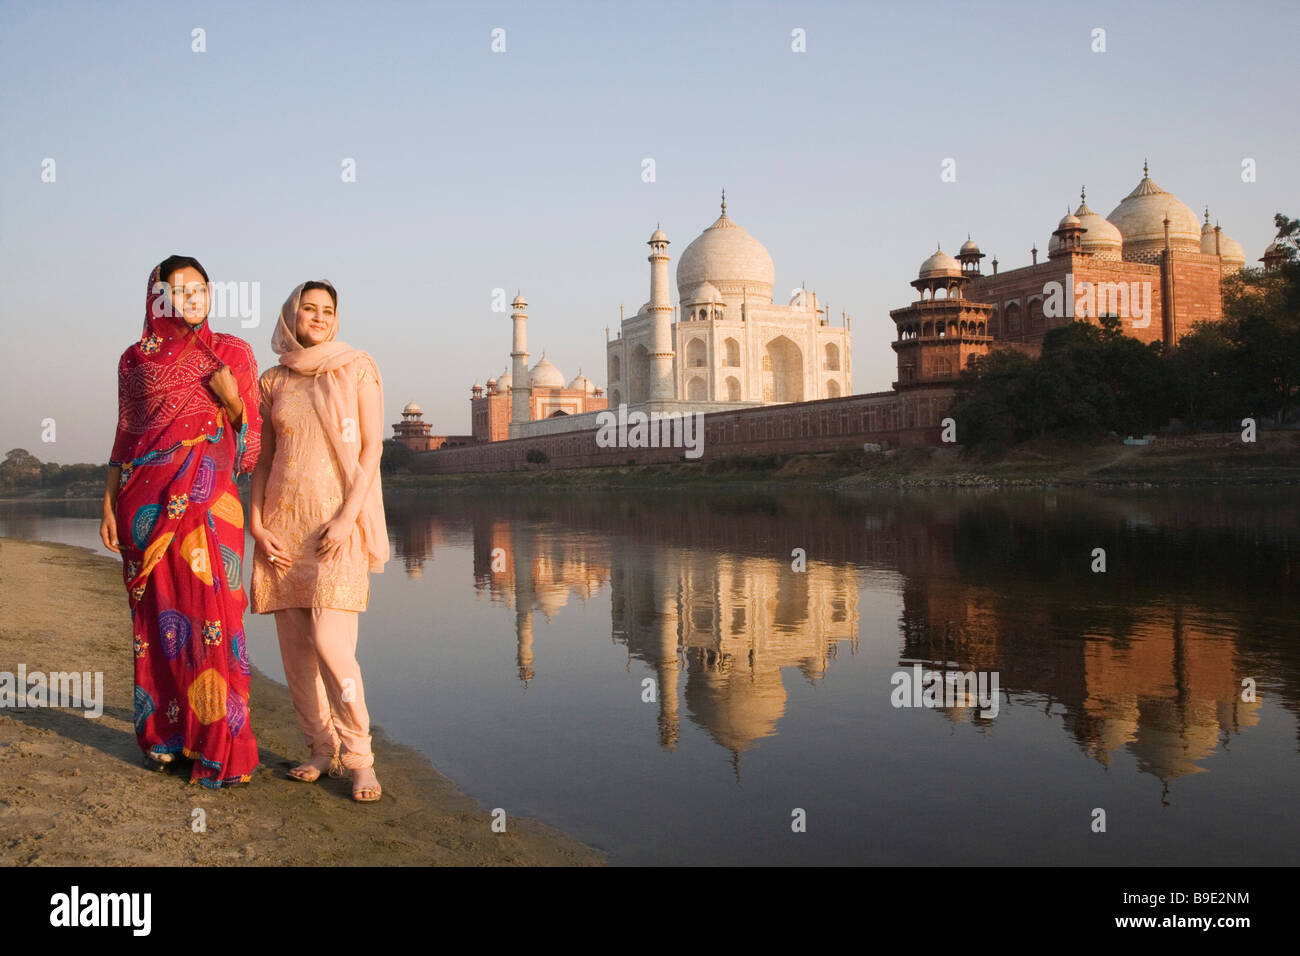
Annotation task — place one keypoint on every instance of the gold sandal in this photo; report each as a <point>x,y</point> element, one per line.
<point>357,792</point>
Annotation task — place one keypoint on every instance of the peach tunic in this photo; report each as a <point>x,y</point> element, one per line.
<point>303,491</point>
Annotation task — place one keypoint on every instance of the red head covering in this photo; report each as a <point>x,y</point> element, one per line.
<point>163,396</point>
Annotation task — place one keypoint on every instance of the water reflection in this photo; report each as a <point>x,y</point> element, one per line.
<point>1148,657</point>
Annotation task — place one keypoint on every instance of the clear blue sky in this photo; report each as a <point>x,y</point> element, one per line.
<point>522,170</point>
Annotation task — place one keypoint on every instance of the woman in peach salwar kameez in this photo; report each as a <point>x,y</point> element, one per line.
<point>317,518</point>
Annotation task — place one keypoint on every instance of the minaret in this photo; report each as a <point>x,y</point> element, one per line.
<point>661,311</point>
<point>520,390</point>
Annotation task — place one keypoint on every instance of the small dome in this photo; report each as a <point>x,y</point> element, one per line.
<point>412,409</point>
<point>491,382</point>
<point>704,292</point>
<point>940,265</point>
<point>519,302</point>
<point>658,236</point>
<point>1229,249</point>
<point>970,245</point>
<point>545,375</point>
<point>1100,237</point>
<point>581,381</point>
<point>1069,220</point>
<point>503,382</point>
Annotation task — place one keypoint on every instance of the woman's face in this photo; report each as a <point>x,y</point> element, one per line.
<point>315,317</point>
<point>189,294</point>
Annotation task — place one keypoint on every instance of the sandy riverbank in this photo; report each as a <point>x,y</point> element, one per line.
<point>74,791</point>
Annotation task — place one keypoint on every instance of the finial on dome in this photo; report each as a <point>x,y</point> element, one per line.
<point>1145,170</point>
<point>724,201</point>
<point>1207,215</point>
<point>1083,194</point>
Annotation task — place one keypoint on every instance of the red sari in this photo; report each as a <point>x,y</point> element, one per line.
<point>181,533</point>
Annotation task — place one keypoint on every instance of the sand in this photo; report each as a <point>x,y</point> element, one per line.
<point>74,791</point>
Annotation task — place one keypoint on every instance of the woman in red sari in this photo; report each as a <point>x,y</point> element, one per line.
<point>188,425</point>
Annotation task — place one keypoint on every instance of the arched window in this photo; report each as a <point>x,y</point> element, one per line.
<point>696,354</point>
<point>615,368</point>
<point>1013,316</point>
<point>832,357</point>
<point>731,350</point>
<point>832,388</point>
<point>1035,313</point>
<point>993,323</point>
<point>638,374</point>
<point>697,390</point>
<point>733,388</point>
<point>782,371</point>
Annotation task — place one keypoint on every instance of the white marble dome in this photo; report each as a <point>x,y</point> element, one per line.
<point>581,381</point>
<point>729,258</point>
<point>1229,249</point>
<point>940,265</point>
<point>412,409</point>
<point>503,382</point>
<point>1101,238</point>
<point>969,246</point>
<point>1140,217</point>
<point>545,375</point>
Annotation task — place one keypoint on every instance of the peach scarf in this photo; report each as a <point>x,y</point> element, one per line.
<point>334,395</point>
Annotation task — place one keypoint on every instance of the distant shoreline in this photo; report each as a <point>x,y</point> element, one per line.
<point>1056,464</point>
<point>1275,461</point>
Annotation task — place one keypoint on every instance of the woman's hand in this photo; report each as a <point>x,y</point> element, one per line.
<point>275,550</point>
<point>108,531</point>
<point>223,385</point>
<point>108,524</point>
<point>334,534</point>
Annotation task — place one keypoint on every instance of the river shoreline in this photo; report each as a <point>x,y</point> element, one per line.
<point>76,791</point>
<point>1276,462</point>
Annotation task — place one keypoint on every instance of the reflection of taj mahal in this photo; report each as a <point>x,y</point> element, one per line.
<point>730,342</point>
<point>701,601</point>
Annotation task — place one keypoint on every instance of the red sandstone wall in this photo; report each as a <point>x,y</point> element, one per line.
<point>1198,291</point>
<point>824,425</point>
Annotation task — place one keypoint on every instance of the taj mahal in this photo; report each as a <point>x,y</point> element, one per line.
<point>731,342</point>
<point>726,345</point>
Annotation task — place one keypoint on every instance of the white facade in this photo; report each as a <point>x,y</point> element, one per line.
<point>730,342</point>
